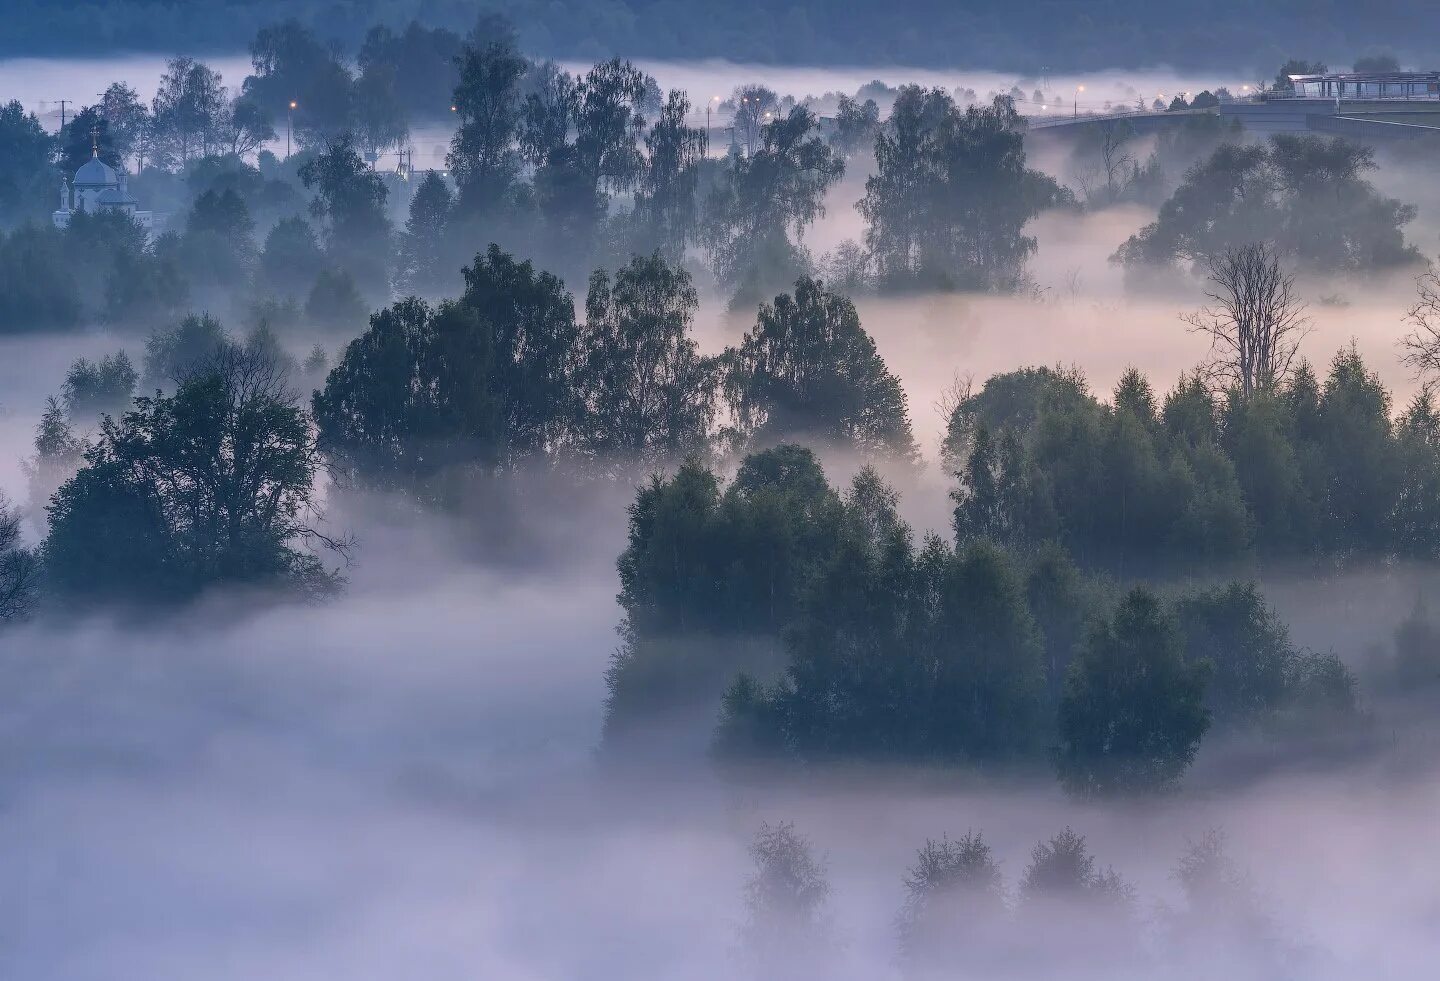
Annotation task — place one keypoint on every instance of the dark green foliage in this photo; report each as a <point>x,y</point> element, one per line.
<point>649,396</point>
<point>426,65</point>
<point>1308,470</point>
<point>210,486</point>
<point>667,202</point>
<point>484,156</point>
<point>1306,195</point>
<point>948,202</point>
<point>19,568</point>
<point>291,258</point>
<point>766,200</point>
<point>484,382</point>
<point>426,247</point>
<point>335,300</point>
<point>1246,645</point>
<point>292,64</point>
<point>127,279</point>
<point>809,372</point>
<point>927,655</point>
<point>349,204</point>
<point>409,398</point>
<point>1133,713</point>
<point>36,292</point>
<point>218,245</point>
<point>175,353</point>
<point>58,454</point>
<point>27,181</point>
<point>93,388</point>
<point>856,126</point>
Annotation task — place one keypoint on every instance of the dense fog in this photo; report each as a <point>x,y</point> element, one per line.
<point>412,769</point>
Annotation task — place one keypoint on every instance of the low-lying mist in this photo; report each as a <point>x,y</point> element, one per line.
<point>403,783</point>
<point>408,781</point>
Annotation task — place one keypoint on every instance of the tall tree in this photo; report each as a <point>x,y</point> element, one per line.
<point>426,247</point>
<point>349,203</point>
<point>186,111</point>
<point>1133,713</point>
<point>484,153</point>
<point>211,486</point>
<point>951,195</point>
<point>667,201</point>
<point>648,391</point>
<point>808,370</point>
<point>765,203</point>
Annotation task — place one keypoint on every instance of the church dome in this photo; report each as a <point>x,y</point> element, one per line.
<point>95,173</point>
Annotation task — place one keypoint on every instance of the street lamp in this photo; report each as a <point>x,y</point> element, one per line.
<point>289,125</point>
<point>1078,90</point>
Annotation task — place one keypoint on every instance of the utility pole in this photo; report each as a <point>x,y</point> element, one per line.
<point>63,104</point>
<point>289,124</point>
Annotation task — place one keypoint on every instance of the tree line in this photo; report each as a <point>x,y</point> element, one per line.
<point>1064,912</point>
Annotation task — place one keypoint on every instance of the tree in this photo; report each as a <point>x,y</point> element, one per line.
<point>1302,194</point>
<point>585,145</point>
<point>764,204</point>
<point>667,200</point>
<point>752,108</point>
<point>380,118</point>
<point>26,173</point>
<point>19,568</point>
<point>291,258</point>
<point>647,391</point>
<point>809,370</point>
<point>185,113</point>
<point>213,486</point>
<point>1257,322</point>
<point>951,195</point>
<point>86,134</point>
<point>58,454</point>
<point>953,898</point>
<point>1132,714</point>
<point>425,247</point>
<point>175,353</point>
<point>785,928</point>
<point>349,204</point>
<point>484,154</point>
<point>1247,646</point>
<point>335,300</point>
<point>1296,66</point>
<point>93,388</point>
<point>856,124</point>
<point>218,247</point>
<point>244,126</point>
<point>127,122</point>
<point>291,65</point>
<point>1422,344</point>
<point>484,384</point>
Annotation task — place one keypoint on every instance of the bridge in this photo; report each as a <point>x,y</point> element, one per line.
<point>1370,121</point>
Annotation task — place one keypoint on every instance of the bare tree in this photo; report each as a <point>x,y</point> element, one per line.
<point>1422,344</point>
<point>19,568</point>
<point>1255,322</point>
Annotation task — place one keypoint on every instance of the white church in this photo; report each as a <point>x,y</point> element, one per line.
<point>97,187</point>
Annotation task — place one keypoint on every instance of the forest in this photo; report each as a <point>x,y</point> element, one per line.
<point>334,399</point>
<point>922,32</point>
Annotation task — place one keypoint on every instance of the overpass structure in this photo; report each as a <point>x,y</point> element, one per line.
<point>1377,107</point>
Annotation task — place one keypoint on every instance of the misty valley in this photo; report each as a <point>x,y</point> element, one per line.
<point>485,497</point>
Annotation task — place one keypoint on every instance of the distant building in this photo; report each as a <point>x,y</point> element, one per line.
<point>1407,86</point>
<point>97,187</point>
